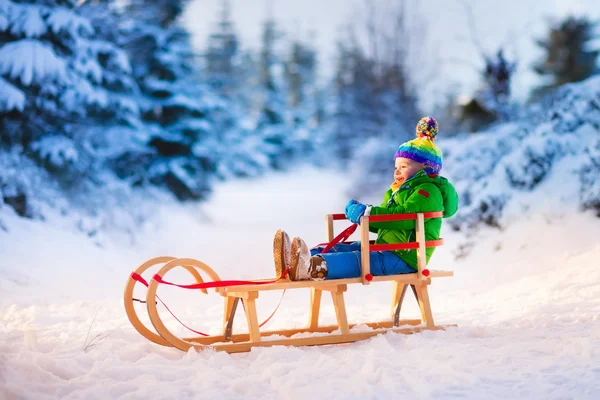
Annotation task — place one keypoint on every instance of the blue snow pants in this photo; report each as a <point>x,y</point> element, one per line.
<point>343,261</point>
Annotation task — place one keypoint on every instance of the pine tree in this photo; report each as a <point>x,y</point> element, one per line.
<point>176,109</point>
<point>222,53</point>
<point>60,76</point>
<point>300,71</point>
<point>305,99</point>
<point>272,117</point>
<point>498,73</point>
<point>474,115</point>
<point>491,102</point>
<point>356,106</point>
<point>374,100</point>
<point>569,57</point>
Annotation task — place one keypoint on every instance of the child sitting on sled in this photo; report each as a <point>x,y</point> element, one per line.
<point>417,188</point>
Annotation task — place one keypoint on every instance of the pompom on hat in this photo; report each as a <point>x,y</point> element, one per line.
<point>423,149</point>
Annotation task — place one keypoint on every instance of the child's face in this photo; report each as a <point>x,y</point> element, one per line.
<point>405,168</point>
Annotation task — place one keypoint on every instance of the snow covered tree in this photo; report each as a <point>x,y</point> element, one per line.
<point>491,102</point>
<point>229,71</point>
<point>305,99</point>
<point>570,56</point>
<point>375,95</point>
<point>473,115</point>
<point>497,75</point>
<point>273,117</point>
<point>176,109</point>
<point>222,53</point>
<point>355,116</point>
<point>60,78</point>
<point>66,103</point>
<point>300,71</point>
<point>590,179</point>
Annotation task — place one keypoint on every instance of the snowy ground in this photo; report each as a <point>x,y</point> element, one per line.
<point>527,301</point>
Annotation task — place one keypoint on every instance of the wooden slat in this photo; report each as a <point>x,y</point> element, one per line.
<point>405,217</point>
<point>315,307</point>
<point>406,246</point>
<point>329,227</point>
<point>243,294</point>
<point>328,284</point>
<point>250,308</point>
<point>396,292</point>
<point>228,306</point>
<point>364,250</point>
<point>340,311</point>
<point>338,217</point>
<point>421,254</point>
<point>316,340</point>
<point>425,305</point>
<point>393,217</point>
<point>244,337</point>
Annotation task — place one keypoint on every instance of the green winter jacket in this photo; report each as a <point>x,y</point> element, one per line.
<point>421,193</point>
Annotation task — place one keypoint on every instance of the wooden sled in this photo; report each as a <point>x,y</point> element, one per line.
<point>343,332</point>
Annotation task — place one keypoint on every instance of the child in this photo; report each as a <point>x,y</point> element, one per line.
<point>417,188</point>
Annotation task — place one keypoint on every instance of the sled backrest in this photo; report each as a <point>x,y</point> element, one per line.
<point>367,246</point>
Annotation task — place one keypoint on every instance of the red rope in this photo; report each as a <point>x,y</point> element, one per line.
<point>140,279</point>
<point>274,311</point>
<point>345,234</point>
<point>216,284</point>
<point>342,237</point>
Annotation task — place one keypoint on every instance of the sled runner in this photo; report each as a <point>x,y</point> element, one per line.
<point>248,292</point>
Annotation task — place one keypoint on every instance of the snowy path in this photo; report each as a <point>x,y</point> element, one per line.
<point>528,311</point>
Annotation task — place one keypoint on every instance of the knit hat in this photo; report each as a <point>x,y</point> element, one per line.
<point>423,149</point>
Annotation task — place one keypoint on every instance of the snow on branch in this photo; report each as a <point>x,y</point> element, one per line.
<point>64,20</point>
<point>57,150</point>
<point>31,61</point>
<point>26,21</point>
<point>117,59</point>
<point>11,97</point>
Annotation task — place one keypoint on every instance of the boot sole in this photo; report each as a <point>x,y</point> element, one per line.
<point>295,259</point>
<point>278,244</point>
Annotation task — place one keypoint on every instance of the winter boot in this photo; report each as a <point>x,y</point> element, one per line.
<point>281,252</point>
<point>303,266</point>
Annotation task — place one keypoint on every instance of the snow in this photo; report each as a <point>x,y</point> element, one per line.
<point>118,60</point>
<point>88,67</point>
<point>57,150</point>
<point>526,300</point>
<point>31,61</point>
<point>27,20</point>
<point>497,168</point>
<point>64,20</point>
<point>11,97</point>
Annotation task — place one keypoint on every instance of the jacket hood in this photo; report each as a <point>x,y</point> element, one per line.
<point>449,195</point>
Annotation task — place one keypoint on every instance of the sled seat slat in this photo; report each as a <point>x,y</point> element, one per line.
<point>323,285</point>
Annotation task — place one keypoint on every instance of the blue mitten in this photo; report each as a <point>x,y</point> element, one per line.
<point>350,203</point>
<point>356,211</point>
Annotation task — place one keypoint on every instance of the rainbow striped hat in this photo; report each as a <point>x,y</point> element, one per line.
<point>423,149</point>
